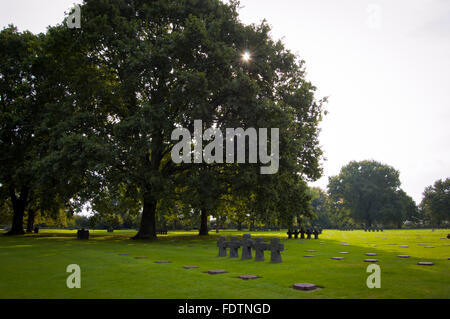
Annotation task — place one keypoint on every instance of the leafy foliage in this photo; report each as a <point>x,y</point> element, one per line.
<point>436,202</point>
<point>371,192</point>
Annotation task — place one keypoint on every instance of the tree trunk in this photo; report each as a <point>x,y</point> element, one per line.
<point>30,220</point>
<point>239,225</point>
<point>147,229</point>
<point>203,223</point>
<point>19,205</point>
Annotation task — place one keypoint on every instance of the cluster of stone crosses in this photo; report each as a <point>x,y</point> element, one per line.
<point>308,231</point>
<point>373,228</point>
<point>247,244</point>
<point>348,228</point>
<point>83,234</point>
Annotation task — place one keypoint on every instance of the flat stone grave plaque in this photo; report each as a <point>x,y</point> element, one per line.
<point>304,286</point>
<point>162,261</point>
<point>216,271</point>
<point>404,246</point>
<point>429,246</point>
<point>311,251</point>
<point>370,260</point>
<point>247,277</point>
<point>425,263</point>
<point>140,257</point>
<point>337,258</point>
<point>124,254</point>
<point>190,267</point>
<point>309,256</point>
<point>403,256</point>
<point>371,254</point>
<point>344,252</point>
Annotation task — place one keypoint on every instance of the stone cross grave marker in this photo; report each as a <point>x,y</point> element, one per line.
<point>289,233</point>
<point>308,233</point>
<point>234,245</point>
<point>302,233</point>
<point>316,233</point>
<point>83,234</point>
<point>275,250</point>
<point>247,244</point>
<point>222,244</point>
<point>259,247</point>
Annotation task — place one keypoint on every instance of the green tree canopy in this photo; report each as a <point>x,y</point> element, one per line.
<point>170,63</point>
<point>21,115</point>
<point>87,114</point>
<point>436,202</point>
<point>371,192</point>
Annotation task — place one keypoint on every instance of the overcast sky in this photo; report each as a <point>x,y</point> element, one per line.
<point>383,64</point>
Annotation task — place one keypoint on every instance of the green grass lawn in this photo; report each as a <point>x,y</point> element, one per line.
<point>34,266</point>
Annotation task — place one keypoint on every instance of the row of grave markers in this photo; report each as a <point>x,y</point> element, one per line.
<point>302,232</point>
<point>247,244</point>
<point>373,229</point>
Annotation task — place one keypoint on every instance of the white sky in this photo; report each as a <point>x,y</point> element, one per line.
<point>384,65</point>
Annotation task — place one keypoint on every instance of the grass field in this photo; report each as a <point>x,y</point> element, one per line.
<point>34,266</point>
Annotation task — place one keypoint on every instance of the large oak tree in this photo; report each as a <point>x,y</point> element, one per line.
<point>113,91</point>
<point>173,62</point>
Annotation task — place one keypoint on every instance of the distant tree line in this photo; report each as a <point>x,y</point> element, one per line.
<point>368,194</point>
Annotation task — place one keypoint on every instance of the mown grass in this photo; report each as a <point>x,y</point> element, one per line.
<point>34,266</point>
